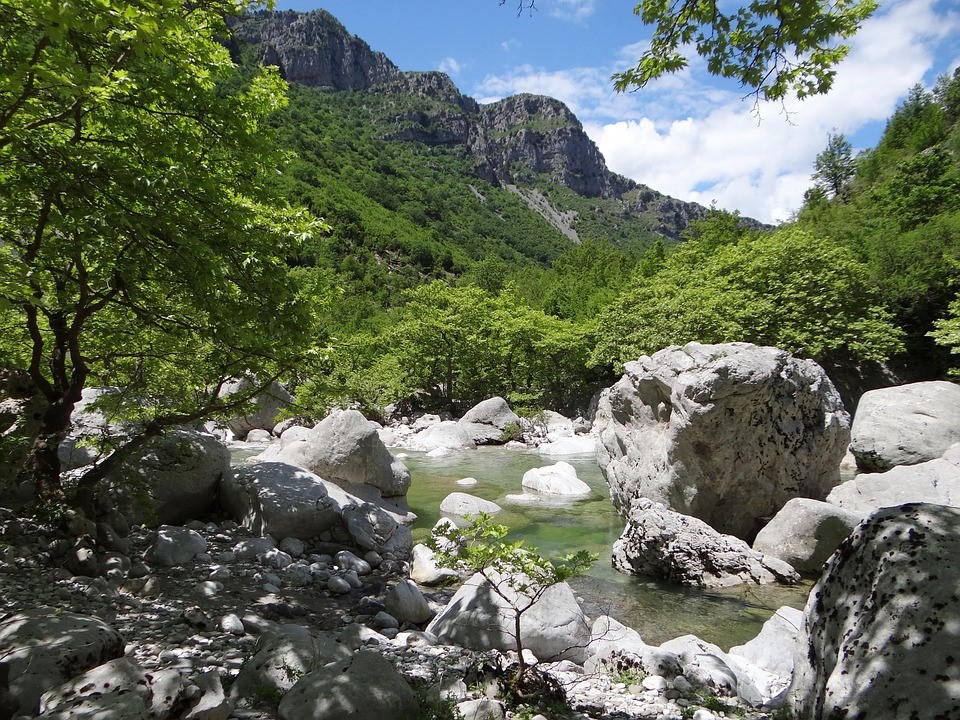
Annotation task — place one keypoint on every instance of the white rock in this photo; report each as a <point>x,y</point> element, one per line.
<point>558,479</point>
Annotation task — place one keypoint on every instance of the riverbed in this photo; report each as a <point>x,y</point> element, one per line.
<point>555,527</point>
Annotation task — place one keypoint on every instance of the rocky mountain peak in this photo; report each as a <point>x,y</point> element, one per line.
<point>315,49</point>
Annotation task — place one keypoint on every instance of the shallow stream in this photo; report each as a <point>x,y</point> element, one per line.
<point>657,611</point>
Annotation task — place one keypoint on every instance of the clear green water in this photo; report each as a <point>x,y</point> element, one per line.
<point>657,611</point>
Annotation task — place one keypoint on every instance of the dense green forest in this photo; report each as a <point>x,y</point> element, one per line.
<point>430,293</point>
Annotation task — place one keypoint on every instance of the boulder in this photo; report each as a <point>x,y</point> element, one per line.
<point>372,528</point>
<point>173,478</point>
<point>805,533</point>
<point>476,617</point>
<point>660,543</point>
<point>726,433</point>
<point>173,545</point>
<point>882,626</point>
<point>88,423</point>
<point>282,500</point>
<point>576,445</point>
<point>464,505</point>
<point>614,648</point>
<point>213,704</point>
<point>122,675</point>
<point>905,425</point>
<point>407,604</point>
<point>559,479</point>
<point>773,648</point>
<point>934,481</point>
<point>44,648</point>
<point>494,411</point>
<point>481,434</point>
<point>264,410</point>
<point>424,569</point>
<point>363,687</point>
<point>345,449</point>
<point>447,435</point>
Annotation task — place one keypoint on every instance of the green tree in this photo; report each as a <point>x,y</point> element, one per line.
<point>788,289</point>
<point>517,575</point>
<point>835,167</point>
<point>139,246</point>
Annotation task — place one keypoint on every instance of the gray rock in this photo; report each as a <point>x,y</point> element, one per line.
<point>44,648</point>
<point>881,626</point>
<point>448,435</point>
<point>406,603</point>
<point>345,449</point>
<point>934,481</point>
<point>663,544</point>
<point>554,628</point>
<point>282,500</point>
<point>464,505</point>
<point>726,433</point>
<point>772,649</point>
<point>122,705</point>
<point>614,647</point>
<point>212,703</point>
<point>905,425</point>
<point>281,660</point>
<point>704,664</point>
<point>494,411</point>
<point>363,687</point>
<point>558,479</point>
<point>372,528</point>
<point>346,560</point>
<point>115,676</point>
<point>806,532</point>
<point>265,407</point>
<point>424,569</point>
<point>481,709</point>
<point>174,546</point>
<point>171,479</point>
<point>481,434</point>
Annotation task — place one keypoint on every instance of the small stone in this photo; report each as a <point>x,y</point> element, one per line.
<point>338,585</point>
<point>655,682</point>
<point>232,624</point>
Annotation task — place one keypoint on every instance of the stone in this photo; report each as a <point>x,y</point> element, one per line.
<point>463,505</point>
<point>363,687</point>
<point>805,533</point>
<point>494,411</point>
<point>345,449</point>
<point>614,647</point>
<point>905,425</point>
<point>662,544</point>
<point>577,445</point>
<point>346,560</point>
<point>265,407</point>
<point>772,649</point>
<point>174,545</point>
<point>407,604</point>
<point>553,628</point>
<point>704,664</point>
<point>280,660</point>
<point>880,628</point>
<point>373,528</point>
<point>292,546</point>
<point>212,703</point>
<point>481,709</point>
<point>424,569</point>
<point>44,648</point>
<point>726,433</point>
<point>446,435</point>
<point>934,481</point>
<point>558,479</point>
<point>123,705</point>
<point>231,623</point>
<point>172,478</point>
<point>258,436</point>
<point>481,434</point>
<point>282,500</point>
<point>114,676</point>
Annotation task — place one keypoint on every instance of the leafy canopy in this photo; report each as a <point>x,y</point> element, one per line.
<point>772,48</point>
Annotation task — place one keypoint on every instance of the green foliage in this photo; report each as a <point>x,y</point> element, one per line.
<point>772,49</point>
<point>140,244</point>
<point>788,289</point>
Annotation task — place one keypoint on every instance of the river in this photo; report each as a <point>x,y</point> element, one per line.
<point>656,610</point>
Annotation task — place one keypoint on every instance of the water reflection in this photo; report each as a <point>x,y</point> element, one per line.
<point>657,611</point>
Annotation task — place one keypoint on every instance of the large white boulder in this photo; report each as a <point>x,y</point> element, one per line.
<point>44,648</point>
<point>494,411</point>
<point>446,435</point>
<point>614,647</point>
<point>905,425</point>
<point>552,628</point>
<point>464,505</point>
<point>726,433</point>
<point>265,407</point>
<point>934,481</point>
<point>805,533</point>
<point>407,604</point>
<point>363,687</point>
<point>662,544</point>
<point>881,627</point>
<point>576,445</point>
<point>173,478</point>
<point>346,449</point>
<point>558,479</point>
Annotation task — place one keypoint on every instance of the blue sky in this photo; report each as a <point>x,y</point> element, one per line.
<point>690,135</point>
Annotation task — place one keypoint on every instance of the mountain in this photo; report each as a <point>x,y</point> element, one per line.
<point>524,143</point>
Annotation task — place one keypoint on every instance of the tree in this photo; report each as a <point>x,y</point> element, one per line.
<point>139,244</point>
<point>518,576</point>
<point>789,289</point>
<point>772,48</point>
<point>834,168</point>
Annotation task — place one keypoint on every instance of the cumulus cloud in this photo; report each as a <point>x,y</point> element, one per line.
<point>572,9</point>
<point>450,66</point>
<point>687,137</point>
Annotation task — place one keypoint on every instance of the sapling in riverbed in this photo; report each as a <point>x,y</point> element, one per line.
<point>518,575</point>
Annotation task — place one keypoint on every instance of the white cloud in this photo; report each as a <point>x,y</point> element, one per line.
<point>687,137</point>
<point>572,9</point>
<point>511,45</point>
<point>450,66</point>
